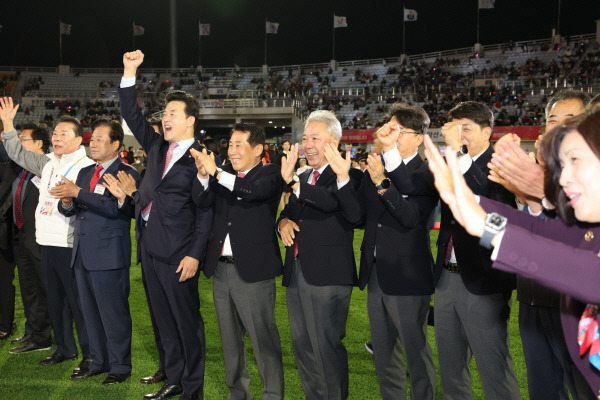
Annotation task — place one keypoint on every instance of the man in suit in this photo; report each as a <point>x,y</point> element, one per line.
<point>472,301</point>
<point>23,186</point>
<point>101,255</point>
<point>54,232</point>
<point>396,260</point>
<point>172,232</point>
<point>550,370</point>
<point>243,257</point>
<point>317,227</point>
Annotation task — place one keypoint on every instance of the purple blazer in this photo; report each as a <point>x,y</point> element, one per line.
<point>561,257</point>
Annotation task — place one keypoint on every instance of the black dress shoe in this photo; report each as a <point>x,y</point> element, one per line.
<point>157,377</point>
<point>83,365</point>
<point>21,340</point>
<point>30,346</point>
<point>199,395</point>
<point>9,333</point>
<point>57,358</point>
<point>165,392</point>
<point>112,379</point>
<point>87,374</point>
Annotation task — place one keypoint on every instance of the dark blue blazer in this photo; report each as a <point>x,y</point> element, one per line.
<point>326,217</point>
<point>248,220</point>
<point>176,227</point>
<point>101,231</point>
<point>397,227</point>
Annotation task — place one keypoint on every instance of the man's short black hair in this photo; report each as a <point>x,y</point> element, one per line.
<point>567,94</point>
<point>77,127</point>
<point>257,134</point>
<point>115,130</point>
<point>475,111</point>
<point>192,106</point>
<point>156,121</point>
<point>39,132</point>
<point>410,117</point>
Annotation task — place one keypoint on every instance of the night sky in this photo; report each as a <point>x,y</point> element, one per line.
<point>102,30</point>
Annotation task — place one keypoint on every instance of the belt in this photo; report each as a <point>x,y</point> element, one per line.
<point>452,267</point>
<point>226,259</point>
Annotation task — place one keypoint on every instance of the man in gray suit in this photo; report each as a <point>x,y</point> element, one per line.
<point>243,257</point>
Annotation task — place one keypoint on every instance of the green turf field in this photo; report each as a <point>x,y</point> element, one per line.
<point>21,377</point>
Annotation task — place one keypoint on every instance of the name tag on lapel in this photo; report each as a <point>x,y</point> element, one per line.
<point>99,189</point>
<point>36,181</point>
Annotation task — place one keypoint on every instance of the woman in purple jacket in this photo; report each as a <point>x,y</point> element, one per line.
<point>562,254</point>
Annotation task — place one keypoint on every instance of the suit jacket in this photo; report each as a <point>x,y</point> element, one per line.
<point>560,257</point>
<point>326,217</point>
<point>397,227</point>
<point>247,214</point>
<point>101,230</point>
<point>176,227</point>
<point>29,200</point>
<point>474,261</point>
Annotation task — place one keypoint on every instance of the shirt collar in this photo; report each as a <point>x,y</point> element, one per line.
<point>409,159</point>
<point>108,163</point>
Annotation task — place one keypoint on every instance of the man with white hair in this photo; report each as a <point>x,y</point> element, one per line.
<point>317,227</point>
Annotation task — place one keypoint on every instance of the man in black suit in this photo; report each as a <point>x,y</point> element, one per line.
<point>243,257</point>
<point>172,230</point>
<point>101,255</point>
<point>23,185</point>
<point>396,260</point>
<point>317,227</point>
<point>472,301</point>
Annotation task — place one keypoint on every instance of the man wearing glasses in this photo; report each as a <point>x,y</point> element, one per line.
<point>54,232</point>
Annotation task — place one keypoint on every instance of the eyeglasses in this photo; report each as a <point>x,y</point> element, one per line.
<point>25,139</point>
<point>404,131</point>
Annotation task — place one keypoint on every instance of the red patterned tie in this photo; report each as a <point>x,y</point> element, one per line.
<point>172,146</point>
<point>316,175</point>
<point>18,210</point>
<point>95,177</point>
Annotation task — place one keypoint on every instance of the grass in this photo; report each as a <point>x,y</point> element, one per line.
<point>21,377</point>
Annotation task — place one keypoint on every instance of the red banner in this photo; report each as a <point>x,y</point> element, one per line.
<point>524,132</point>
<point>357,136</point>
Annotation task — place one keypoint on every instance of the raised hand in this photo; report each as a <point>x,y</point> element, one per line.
<point>388,135</point>
<point>452,132</point>
<point>7,112</point>
<point>376,169</point>
<point>519,169</point>
<point>205,163</point>
<point>288,164</point>
<point>127,183</point>
<point>131,61</point>
<point>339,165</point>
<point>65,190</point>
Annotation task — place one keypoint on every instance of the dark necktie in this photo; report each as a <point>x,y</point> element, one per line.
<point>18,210</point>
<point>95,177</point>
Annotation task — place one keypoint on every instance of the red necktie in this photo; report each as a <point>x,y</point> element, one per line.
<point>18,211</point>
<point>172,146</point>
<point>241,174</point>
<point>448,254</point>
<point>316,175</point>
<point>95,177</point>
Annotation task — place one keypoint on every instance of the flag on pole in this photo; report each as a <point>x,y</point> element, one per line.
<point>486,4</point>
<point>204,29</point>
<point>65,29</point>
<point>340,22</point>
<point>410,15</point>
<point>272,27</point>
<point>138,30</point>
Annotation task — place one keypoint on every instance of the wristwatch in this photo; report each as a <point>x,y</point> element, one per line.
<point>217,172</point>
<point>459,153</point>
<point>384,184</point>
<point>293,181</point>
<point>494,223</point>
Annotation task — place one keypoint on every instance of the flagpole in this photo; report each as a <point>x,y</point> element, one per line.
<point>199,43</point>
<point>477,22</point>
<point>60,41</point>
<point>265,42</point>
<point>333,52</point>
<point>558,21</point>
<point>404,30</point>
